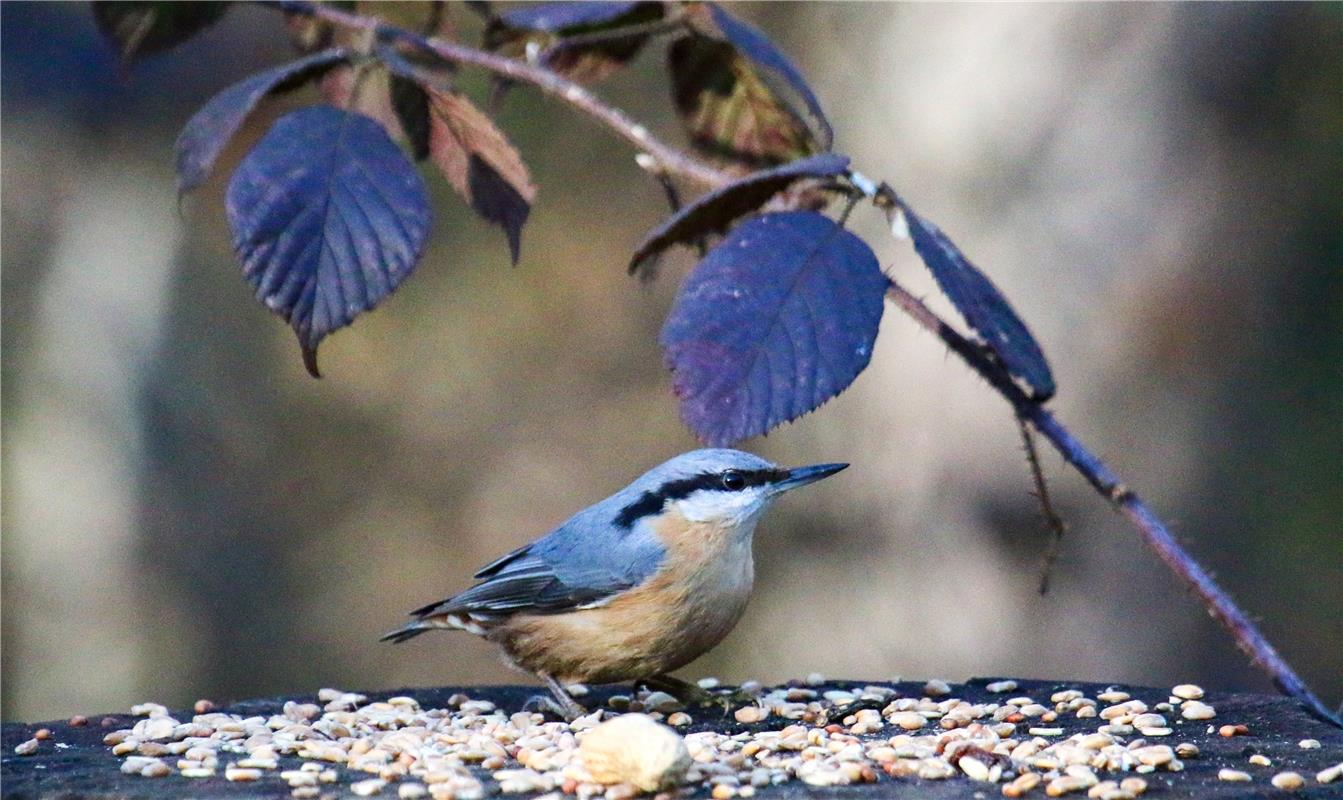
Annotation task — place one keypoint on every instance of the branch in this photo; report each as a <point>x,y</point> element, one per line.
<point>669,160</point>
<point>1153,531</point>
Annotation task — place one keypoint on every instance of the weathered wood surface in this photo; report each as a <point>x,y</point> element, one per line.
<point>75,763</point>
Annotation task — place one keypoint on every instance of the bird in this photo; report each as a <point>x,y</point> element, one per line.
<point>632,587</point>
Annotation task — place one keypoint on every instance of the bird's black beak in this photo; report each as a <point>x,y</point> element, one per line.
<point>801,476</point>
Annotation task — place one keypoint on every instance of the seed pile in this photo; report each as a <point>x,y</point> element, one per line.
<point>469,749</point>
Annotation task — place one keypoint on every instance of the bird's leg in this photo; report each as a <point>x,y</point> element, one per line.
<point>691,694</point>
<point>562,705</point>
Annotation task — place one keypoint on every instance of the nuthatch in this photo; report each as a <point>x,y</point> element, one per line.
<point>633,587</point>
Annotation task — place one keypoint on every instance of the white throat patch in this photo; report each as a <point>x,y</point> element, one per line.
<point>723,507</point>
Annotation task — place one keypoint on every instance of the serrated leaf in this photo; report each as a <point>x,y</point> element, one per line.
<point>210,129</point>
<point>776,320</point>
<point>715,211</point>
<point>545,24</point>
<point>985,308</point>
<point>141,28</point>
<point>480,163</point>
<point>734,91</point>
<point>328,218</point>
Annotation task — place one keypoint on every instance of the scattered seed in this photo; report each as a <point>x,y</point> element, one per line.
<point>26,748</point>
<point>369,787</point>
<point>1261,760</point>
<point>233,773</point>
<point>1329,774</point>
<point>1045,731</point>
<point>1228,731</point>
<point>1233,775</point>
<point>1188,691</point>
<point>1134,786</point>
<point>707,683</point>
<point>936,688</point>
<point>1309,744</point>
<point>679,719</point>
<point>1291,781</point>
<point>997,687</point>
<point>1196,710</point>
<point>1186,750</point>
<point>196,772</point>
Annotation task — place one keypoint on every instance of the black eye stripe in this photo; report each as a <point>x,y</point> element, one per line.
<point>651,502</point>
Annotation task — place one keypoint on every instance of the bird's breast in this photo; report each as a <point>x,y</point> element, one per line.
<point>687,606</point>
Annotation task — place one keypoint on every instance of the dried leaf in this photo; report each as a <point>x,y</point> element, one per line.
<point>545,24</point>
<point>480,163</point>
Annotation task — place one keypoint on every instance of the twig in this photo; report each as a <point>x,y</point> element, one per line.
<point>672,160</point>
<point>1055,522</point>
<point>1153,531</point>
<point>976,356</point>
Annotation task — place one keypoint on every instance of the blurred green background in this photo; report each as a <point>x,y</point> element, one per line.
<point>1156,187</point>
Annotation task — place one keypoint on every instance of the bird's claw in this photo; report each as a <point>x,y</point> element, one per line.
<point>549,706</point>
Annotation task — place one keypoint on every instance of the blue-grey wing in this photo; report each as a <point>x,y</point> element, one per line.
<point>580,563</point>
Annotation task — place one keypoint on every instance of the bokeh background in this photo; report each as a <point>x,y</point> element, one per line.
<point>1156,187</point>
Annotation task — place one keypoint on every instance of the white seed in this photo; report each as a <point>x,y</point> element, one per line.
<point>149,710</point>
<point>233,773</point>
<point>156,770</point>
<point>1134,786</point>
<point>197,772</point>
<point>707,683</point>
<point>1329,774</point>
<point>974,769</point>
<point>635,749</point>
<point>411,791</point>
<point>662,703</point>
<point>1309,744</point>
<point>1045,731</point>
<point>998,687</point>
<point>751,714</point>
<point>1193,709</point>
<point>1233,775</point>
<point>1291,781</point>
<point>1261,760</point>
<point>368,788</point>
<point>1188,691</point>
<point>936,688</point>
<point>26,748</point>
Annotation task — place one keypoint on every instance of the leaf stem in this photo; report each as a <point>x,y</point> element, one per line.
<point>1150,527</point>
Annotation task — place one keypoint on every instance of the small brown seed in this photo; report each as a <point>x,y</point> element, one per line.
<point>42,734</point>
<point>79,721</point>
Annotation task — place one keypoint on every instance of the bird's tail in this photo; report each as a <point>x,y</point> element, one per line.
<point>409,631</point>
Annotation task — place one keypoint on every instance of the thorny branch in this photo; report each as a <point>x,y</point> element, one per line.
<point>669,160</point>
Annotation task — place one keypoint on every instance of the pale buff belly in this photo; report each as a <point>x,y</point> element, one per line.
<point>661,625</point>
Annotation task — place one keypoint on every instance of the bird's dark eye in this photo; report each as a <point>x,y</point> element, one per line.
<point>734,481</point>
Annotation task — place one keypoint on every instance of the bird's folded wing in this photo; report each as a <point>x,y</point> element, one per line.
<point>529,584</point>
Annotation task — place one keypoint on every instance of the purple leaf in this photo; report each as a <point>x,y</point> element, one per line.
<point>715,211</point>
<point>775,321</point>
<point>328,218</point>
<point>209,130</point>
<point>983,306</point>
<point>776,67</point>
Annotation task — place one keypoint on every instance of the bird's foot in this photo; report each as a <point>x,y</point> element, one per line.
<point>549,706</point>
<point>693,695</point>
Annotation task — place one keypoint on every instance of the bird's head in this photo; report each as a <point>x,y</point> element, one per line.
<point>724,487</point>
